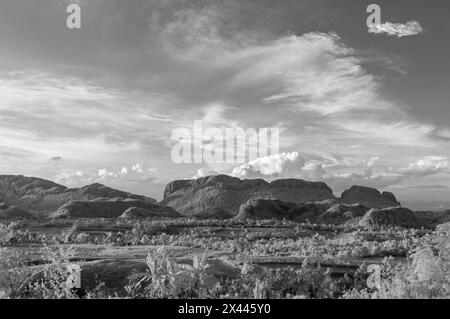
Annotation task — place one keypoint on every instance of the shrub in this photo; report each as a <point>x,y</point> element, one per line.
<point>167,279</point>
<point>51,281</point>
<point>425,276</point>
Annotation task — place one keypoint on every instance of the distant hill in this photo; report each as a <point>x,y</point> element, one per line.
<point>214,197</point>
<point>396,216</point>
<point>258,209</point>
<point>329,213</point>
<point>434,206</point>
<point>112,208</point>
<point>225,194</point>
<point>42,197</point>
<point>369,197</point>
<point>433,219</point>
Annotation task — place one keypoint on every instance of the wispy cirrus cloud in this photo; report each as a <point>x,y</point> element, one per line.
<point>61,116</point>
<point>313,78</point>
<point>213,61</point>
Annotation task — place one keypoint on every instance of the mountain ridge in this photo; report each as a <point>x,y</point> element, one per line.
<point>226,194</point>
<point>42,196</point>
<point>212,197</point>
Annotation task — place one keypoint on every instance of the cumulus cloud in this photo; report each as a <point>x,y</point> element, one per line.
<point>280,166</point>
<point>109,177</point>
<point>397,29</point>
<point>75,179</point>
<point>380,176</point>
<point>138,168</point>
<point>213,63</point>
<point>138,182</point>
<point>203,172</point>
<point>293,165</point>
<point>371,162</point>
<point>429,165</point>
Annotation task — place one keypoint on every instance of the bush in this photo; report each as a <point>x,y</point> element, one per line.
<point>167,279</point>
<point>425,276</point>
<point>48,281</point>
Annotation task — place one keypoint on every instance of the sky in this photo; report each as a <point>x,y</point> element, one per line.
<point>354,105</point>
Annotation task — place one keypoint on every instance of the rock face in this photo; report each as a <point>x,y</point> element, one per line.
<point>395,216</point>
<point>276,209</point>
<point>369,197</point>
<point>141,213</point>
<point>216,213</point>
<point>110,209</point>
<point>225,194</point>
<point>328,213</point>
<point>214,197</point>
<point>42,197</point>
<point>340,214</point>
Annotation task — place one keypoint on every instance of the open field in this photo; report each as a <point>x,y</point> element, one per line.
<point>224,259</point>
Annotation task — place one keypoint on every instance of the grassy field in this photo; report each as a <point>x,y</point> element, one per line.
<point>212,259</point>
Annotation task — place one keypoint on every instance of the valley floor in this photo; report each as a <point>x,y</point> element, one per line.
<point>219,259</point>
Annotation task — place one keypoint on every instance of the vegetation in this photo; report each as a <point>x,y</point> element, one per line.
<point>412,263</point>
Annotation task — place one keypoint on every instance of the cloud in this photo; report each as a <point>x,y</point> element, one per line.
<point>312,71</point>
<point>381,177</point>
<point>429,187</point>
<point>293,165</point>
<point>312,80</point>
<point>372,161</point>
<point>429,165</point>
<point>125,179</point>
<point>75,179</point>
<point>208,60</point>
<point>280,166</point>
<point>203,172</point>
<point>397,29</point>
<point>137,173</point>
<point>138,168</point>
<point>43,114</point>
<point>390,132</point>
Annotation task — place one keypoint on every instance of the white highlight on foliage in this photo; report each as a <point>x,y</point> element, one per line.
<point>74,278</point>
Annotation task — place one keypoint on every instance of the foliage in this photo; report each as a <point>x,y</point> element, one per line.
<point>47,281</point>
<point>167,279</point>
<point>425,276</point>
